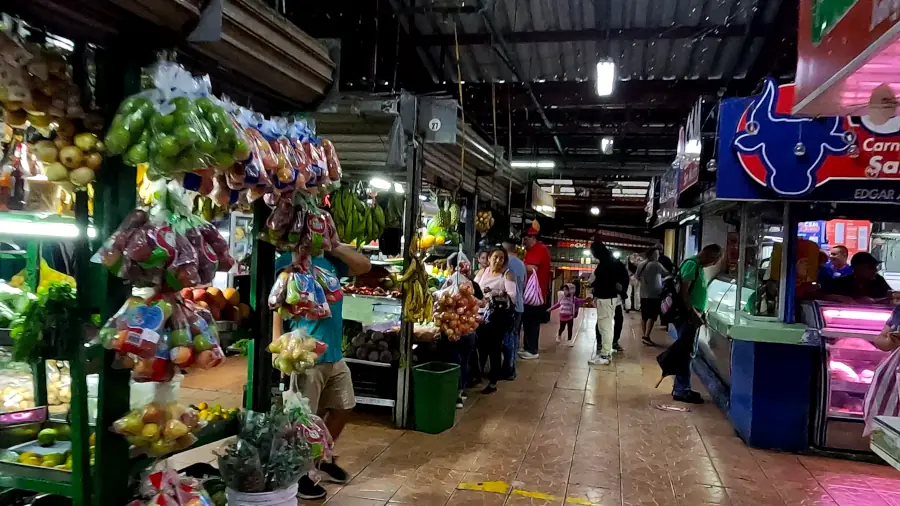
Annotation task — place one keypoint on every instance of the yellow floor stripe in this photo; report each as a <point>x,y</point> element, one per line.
<point>496,487</point>
<point>535,495</point>
<point>501,487</point>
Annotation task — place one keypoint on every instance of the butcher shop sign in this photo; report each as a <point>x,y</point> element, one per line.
<point>773,155</point>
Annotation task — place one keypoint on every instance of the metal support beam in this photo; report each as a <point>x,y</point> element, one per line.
<point>591,34</point>
<point>508,59</point>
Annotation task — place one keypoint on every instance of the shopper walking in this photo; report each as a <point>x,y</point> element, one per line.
<point>327,386</point>
<point>460,351</point>
<point>511,340</point>
<point>499,287</point>
<point>537,263</point>
<point>692,287</point>
<point>632,264</point>
<point>608,283</point>
<point>568,306</point>
<point>650,274</point>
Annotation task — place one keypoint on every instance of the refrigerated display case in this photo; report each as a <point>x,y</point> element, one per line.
<point>849,361</point>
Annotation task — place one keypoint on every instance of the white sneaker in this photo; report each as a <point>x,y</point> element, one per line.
<point>529,356</point>
<point>598,360</point>
<point>557,339</point>
<point>570,343</point>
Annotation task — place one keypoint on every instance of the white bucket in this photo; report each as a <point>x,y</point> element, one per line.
<point>286,497</point>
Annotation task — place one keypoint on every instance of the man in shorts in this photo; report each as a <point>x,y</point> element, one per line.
<point>327,386</point>
<point>650,274</point>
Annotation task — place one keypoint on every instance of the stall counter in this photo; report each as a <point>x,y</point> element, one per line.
<point>758,370</point>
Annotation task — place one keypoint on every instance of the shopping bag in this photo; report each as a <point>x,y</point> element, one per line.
<point>882,398</point>
<point>533,294</point>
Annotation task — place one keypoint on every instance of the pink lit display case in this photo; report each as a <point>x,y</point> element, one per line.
<point>851,357</point>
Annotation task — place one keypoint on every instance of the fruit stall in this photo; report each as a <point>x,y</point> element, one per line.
<point>452,179</point>
<point>131,199</point>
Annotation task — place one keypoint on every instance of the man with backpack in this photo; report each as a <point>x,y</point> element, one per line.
<point>692,298</point>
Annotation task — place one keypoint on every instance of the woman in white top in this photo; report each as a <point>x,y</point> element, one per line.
<point>499,287</point>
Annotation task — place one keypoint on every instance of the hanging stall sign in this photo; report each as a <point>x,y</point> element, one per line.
<point>768,154</point>
<point>852,234</point>
<point>845,48</point>
<point>689,147</point>
<point>542,201</point>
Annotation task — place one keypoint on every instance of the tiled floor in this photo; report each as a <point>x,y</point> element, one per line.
<point>566,432</point>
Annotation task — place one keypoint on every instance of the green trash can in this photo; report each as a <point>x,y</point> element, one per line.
<point>434,396</point>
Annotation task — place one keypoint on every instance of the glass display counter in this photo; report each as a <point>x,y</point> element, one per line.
<point>848,366</point>
<point>886,439</point>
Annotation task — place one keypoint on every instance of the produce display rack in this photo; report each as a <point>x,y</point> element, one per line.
<point>118,75</point>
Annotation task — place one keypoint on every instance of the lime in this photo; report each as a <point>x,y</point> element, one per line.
<point>168,145</point>
<point>47,437</point>
<point>162,123</point>
<point>186,135</point>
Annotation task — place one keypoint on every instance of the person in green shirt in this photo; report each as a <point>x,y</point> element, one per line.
<point>692,289</point>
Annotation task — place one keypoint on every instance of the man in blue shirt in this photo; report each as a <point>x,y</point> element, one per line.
<point>328,385</point>
<point>838,265</point>
<point>511,340</point>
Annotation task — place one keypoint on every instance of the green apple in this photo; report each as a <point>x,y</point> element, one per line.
<point>202,343</point>
<point>179,337</point>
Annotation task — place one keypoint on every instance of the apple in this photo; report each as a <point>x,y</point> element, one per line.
<point>187,294</point>
<point>179,337</point>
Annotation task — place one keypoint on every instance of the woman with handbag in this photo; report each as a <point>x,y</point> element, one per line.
<point>499,287</point>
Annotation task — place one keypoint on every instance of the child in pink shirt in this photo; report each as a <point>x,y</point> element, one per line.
<point>568,306</point>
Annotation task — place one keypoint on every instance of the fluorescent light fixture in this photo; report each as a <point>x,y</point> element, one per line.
<point>633,184</point>
<point>567,190</point>
<point>380,184</point>
<point>44,229</point>
<point>398,188</point>
<point>606,145</point>
<point>423,198</point>
<point>773,238</point>
<point>595,211</point>
<point>689,218</point>
<point>543,164</point>
<point>564,182</point>
<point>617,254</point>
<point>852,314</point>
<point>606,76</point>
<point>586,252</point>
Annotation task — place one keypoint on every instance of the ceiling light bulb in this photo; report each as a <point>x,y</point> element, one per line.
<point>606,76</point>
<point>381,184</point>
<point>595,210</point>
<point>398,188</point>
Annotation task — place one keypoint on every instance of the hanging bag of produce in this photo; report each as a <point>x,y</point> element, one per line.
<point>162,426</point>
<point>456,308</point>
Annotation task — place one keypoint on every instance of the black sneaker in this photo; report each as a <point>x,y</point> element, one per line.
<point>510,377</point>
<point>459,403</point>
<point>489,389</point>
<point>334,472</point>
<point>618,347</point>
<point>647,341</point>
<point>310,490</point>
<point>464,396</point>
<point>690,397</point>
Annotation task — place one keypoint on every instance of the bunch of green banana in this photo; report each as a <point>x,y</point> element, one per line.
<point>417,303</point>
<point>354,220</point>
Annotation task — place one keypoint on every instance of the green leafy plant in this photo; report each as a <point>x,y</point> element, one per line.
<point>49,327</point>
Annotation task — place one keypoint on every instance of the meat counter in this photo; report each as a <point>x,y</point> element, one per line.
<point>849,359</point>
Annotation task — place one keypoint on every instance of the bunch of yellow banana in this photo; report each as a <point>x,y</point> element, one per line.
<point>354,219</point>
<point>417,303</point>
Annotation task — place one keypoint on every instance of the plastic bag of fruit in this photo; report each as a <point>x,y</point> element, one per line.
<point>165,487</point>
<point>309,425</point>
<point>295,351</point>
<point>157,335</point>
<point>160,427</point>
<point>456,308</point>
<point>335,172</point>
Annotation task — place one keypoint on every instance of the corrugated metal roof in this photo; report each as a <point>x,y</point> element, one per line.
<point>703,56</point>
<point>365,140</point>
